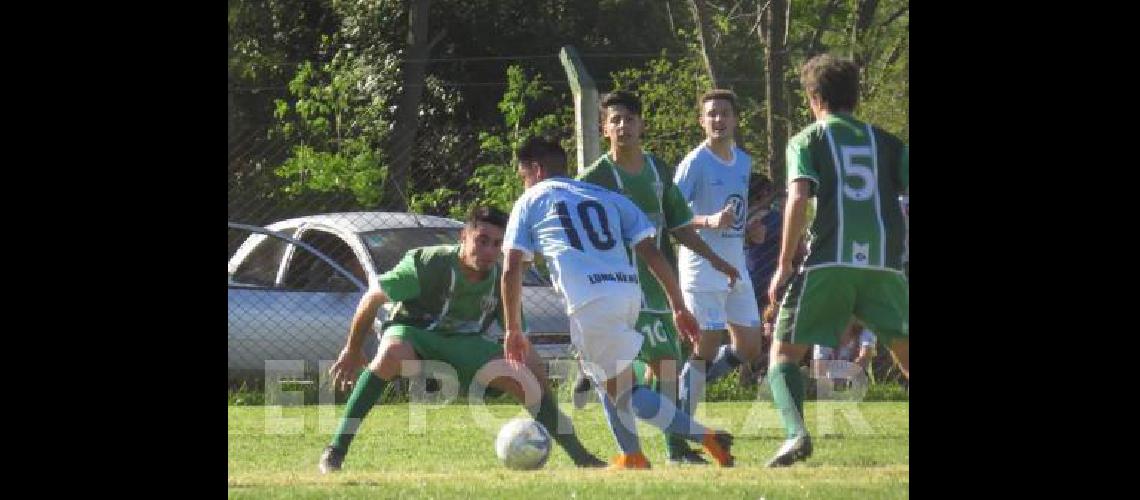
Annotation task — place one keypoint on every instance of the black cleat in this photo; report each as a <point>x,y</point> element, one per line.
<point>793,450</point>
<point>719,446</point>
<point>688,457</point>
<point>331,460</point>
<point>581,391</point>
<point>590,462</point>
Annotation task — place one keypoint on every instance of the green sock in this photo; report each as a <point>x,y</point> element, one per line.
<point>365,394</point>
<point>675,444</point>
<point>549,416</point>
<point>787,385</point>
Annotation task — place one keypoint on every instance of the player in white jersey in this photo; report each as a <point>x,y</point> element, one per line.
<point>583,231</point>
<point>713,179</point>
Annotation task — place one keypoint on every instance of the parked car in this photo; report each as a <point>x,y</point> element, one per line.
<point>294,286</point>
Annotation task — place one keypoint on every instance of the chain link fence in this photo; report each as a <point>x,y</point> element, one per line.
<point>300,262</point>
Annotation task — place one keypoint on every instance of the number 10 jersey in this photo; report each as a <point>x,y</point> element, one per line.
<point>583,230</point>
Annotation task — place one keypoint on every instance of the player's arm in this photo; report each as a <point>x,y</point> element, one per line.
<point>514,341</point>
<point>720,220</point>
<point>688,236</point>
<point>519,249</point>
<point>351,359</point>
<point>795,220</point>
<point>647,250</point>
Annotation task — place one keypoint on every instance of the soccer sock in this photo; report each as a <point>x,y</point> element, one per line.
<point>365,394</point>
<point>549,416</point>
<point>675,445</point>
<point>692,387</point>
<point>626,438</point>
<point>723,363</point>
<point>787,385</point>
<point>652,408</point>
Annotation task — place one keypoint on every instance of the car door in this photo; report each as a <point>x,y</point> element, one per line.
<point>288,301</point>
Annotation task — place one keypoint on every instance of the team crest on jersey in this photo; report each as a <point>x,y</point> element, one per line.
<point>738,215</point>
<point>859,252</point>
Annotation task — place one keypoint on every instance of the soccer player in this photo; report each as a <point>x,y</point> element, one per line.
<point>648,182</point>
<point>856,172</point>
<point>447,297</point>
<point>713,179</point>
<point>583,231</point>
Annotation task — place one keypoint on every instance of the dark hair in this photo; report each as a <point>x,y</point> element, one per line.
<point>756,183</point>
<point>620,97</point>
<point>547,152</point>
<point>725,94</point>
<point>486,214</point>
<point>833,80</point>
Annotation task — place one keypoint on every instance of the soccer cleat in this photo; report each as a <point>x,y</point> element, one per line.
<point>630,461</point>
<point>797,448</point>
<point>719,446</point>
<point>688,457</point>
<point>581,391</point>
<point>331,460</point>
<point>590,462</point>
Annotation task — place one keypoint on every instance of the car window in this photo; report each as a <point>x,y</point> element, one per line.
<point>388,246</point>
<point>305,271</point>
<point>260,266</point>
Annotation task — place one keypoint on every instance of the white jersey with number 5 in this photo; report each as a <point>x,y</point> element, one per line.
<point>583,230</point>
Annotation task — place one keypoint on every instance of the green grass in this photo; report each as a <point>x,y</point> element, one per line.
<point>391,459</point>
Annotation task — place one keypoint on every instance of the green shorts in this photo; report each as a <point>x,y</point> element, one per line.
<point>661,339</point>
<point>819,304</point>
<point>465,352</point>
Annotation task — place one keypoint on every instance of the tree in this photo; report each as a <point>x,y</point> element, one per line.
<point>704,39</point>
<point>407,114</point>
<point>775,54</point>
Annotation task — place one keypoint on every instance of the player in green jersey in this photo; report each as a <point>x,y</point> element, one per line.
<point>447,296</point>
<point>648,182</point>
<point>856,173</point>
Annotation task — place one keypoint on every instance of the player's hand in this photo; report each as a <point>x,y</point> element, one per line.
<point>515,346</point>
<point>779,280</point>
<point>346,368</point>
<point>687,325</point>
<point>723,266</point>
<point>756,231</point>
<point>722,219</point>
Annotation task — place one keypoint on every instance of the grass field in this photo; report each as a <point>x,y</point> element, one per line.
<point>273,453</point>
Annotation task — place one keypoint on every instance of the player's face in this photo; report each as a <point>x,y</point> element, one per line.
<point>622,127</point>
<point>482,245</point>
<point>718,119</point>
<point>528,172</point>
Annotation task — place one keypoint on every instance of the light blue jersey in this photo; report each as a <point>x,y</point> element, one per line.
<point>708,183</point>
<point>583,230</point>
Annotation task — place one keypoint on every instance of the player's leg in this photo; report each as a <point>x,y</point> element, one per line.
<point>648,405</point>
<point>744,327</point>
<point>581,387</point>
<point>883,304</point>
<point>708,309</point>
<point>900,350</point>
<point>816,307</point>
<point>661,353</point>
<point>396,348</point>
<point>528,384</point>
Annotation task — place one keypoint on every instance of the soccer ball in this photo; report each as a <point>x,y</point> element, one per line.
<point>523,444</point>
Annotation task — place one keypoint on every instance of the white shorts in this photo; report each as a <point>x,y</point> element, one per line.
<point>714,310</point>
<point>603,332</point>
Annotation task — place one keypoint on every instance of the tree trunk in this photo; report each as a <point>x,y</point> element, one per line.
<point>403,141</point>
<point>704,36</point>
<point>864,14</point>
<point>815,46</point>
<point>775,54</point>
